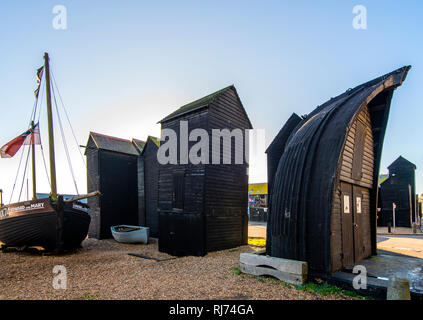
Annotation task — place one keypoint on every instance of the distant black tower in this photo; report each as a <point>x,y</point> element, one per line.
<point>399,188</point>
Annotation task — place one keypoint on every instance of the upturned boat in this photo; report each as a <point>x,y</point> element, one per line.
<point>130,234</point>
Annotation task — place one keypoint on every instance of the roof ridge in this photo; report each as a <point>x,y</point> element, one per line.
<point>111,137</point>
<point>204,101</point>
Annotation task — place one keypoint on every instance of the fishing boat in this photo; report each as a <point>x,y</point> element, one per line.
<point>52,223</point>
<point>130,234</point>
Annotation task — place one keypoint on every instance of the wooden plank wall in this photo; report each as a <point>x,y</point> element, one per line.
<point>217,192</point>
<point>93,184</point>
<point>396,190</point>
<point>227,184</point>
<point>151,172</point>
<point>365,182</point>
<point>181,231</point>
<point>119,189</point>
<point>193,199</point>
<point>368,156</point>
<point>141,191</point>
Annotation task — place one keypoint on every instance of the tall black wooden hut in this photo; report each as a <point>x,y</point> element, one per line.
<point>139,145</point>
<point>151,174</point>
<point>399,188</point>
<point>112,168</point>
<point>324,195</point>
<point>203,207</point>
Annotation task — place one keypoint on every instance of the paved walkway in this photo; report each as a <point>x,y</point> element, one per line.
<point>257,231</point>
<point>407,245</point>
<point>402,242</point>
<point>399,230</point>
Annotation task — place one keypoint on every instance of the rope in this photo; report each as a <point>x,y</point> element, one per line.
<point>24,175</point>
<point>33,113</point>
<point>67,117</point>
<point>16,178</point>
<point>34,110</point>
<point>45,166</point>
<point>41,144</point>
<point>41,102</point>
<point>64,140</point>
<point>73,132</point>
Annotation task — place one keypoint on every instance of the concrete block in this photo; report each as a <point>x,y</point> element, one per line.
<point>398,289</point>
<point>283,276</point>
<point>284,265</point>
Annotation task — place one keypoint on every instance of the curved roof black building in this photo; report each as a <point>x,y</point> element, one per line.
<point>324,189</point>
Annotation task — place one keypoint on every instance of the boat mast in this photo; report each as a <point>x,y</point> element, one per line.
<point>34,185</point>
<point>50,130</point>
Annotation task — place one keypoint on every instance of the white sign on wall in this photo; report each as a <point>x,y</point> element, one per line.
<point>346,203</point>
<point>358,199</point>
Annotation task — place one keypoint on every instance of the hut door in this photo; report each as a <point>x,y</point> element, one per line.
<point>362,241</point>
<point>357,223</point>
<point>355,218</point>
<point>347,224</point>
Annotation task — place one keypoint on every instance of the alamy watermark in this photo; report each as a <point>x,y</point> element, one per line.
<point>359,21</point>
<point>60,20</point>
<point>360,280</point>
<point>60,278</point>
<point>198,147</point>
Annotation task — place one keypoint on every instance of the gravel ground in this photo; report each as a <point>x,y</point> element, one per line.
<point>104,270</point>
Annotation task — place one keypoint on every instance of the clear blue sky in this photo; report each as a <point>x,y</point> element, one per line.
<point>123,65</point>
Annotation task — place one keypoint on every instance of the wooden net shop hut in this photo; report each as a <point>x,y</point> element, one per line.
<point>149,189</point>
<point>112,168</point>
<point>139,145</point>
<point>203,207</point>
<point>399,188</point>
<point>323,197</point>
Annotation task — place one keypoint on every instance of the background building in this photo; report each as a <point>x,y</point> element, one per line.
<point>398,188</point>
<point>257,202</point>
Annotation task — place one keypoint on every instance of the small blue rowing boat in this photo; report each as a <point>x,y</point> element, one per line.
<point>130,234</point>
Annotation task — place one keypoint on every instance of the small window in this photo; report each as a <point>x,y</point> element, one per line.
<point>178,190</point>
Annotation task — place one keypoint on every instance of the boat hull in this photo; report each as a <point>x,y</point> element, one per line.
<point>35,223</point>
<point>140,235</point>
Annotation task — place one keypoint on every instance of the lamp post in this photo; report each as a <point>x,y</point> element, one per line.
<point>1,198</point>
<point>394,206</point>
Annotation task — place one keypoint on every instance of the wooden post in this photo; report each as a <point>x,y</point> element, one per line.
<point>393,213</point>
<point>398,289</point>
<point>50,130</point>
<point>34,185</point>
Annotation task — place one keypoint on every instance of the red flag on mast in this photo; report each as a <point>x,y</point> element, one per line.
<point>30,137</point>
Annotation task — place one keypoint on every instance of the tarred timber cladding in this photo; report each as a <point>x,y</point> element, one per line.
<point>151,170</point>
<point>93,181</point>
<point>141,192</point>
<point>227,184</point>
<point>366,158</point>
<point>336,249</point>
<point>214,213</point>
<point>112,169</point>
<point>399,188</point>
<point>362,148</point>
<point>317,164</point>
<point>182,231</point>
<point>165,191</point>
<point>118,186</point>
<point>276,148</point>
